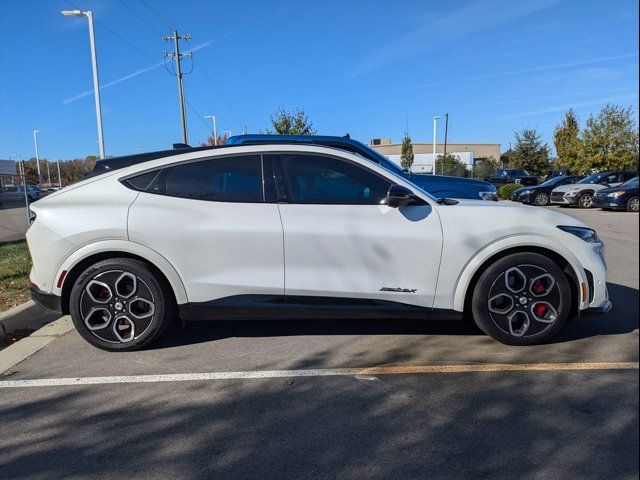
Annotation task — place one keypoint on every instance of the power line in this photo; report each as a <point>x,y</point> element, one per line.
<point>142,19</point>
<point>213,84</point>
<point>158,14</point>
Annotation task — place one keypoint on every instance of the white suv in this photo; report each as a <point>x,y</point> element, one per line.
<point>273,231</point>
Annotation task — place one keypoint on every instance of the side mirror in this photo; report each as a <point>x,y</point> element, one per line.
<point>399,196</point>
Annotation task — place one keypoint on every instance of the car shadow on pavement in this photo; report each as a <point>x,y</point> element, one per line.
<point>623,318</point>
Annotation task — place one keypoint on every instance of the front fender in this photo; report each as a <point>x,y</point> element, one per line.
<point>132,248</point>
<point>506,243</point>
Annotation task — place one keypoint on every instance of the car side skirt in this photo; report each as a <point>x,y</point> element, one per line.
<point>266,307</point>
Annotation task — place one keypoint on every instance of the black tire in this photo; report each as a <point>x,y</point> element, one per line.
<point>509,327</point>
<point>585,200</point>
<point>632,204</point>
<point>542,199</point>
<point>122,285</point>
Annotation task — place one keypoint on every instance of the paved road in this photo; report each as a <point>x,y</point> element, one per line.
<point>508,424</point>
<point>13,223</point>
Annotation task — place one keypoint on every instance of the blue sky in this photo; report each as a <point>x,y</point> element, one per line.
<point>358,67</point>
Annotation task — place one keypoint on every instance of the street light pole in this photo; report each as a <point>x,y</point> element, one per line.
<point>435,132</point>
<point>94,64</point>
<point>35,141</point>
<point>59,177</point>
<point>215,131</point>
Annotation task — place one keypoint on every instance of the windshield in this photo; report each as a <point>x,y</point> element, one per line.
<point>631,183</point>
<point>553,181</point>
<point>595,178</point>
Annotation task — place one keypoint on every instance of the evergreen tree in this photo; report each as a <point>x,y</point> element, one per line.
<point>406,156</point>
<point>530,152</point>
<point>566,139</point>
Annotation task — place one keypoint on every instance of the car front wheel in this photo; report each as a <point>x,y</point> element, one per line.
<point>585,200</point>
<point>542,200</point>
<point>522,299</point>
<point>632,205</point>
<point>120,304</point>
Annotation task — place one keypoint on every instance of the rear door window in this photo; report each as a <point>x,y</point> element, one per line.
<point>227,179</point>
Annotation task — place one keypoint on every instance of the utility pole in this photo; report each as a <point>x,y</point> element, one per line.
<point>215,131</point>
<point>48,175</point>
<point>35,141</point>
<point>435,132</point>
<point>177,56</point>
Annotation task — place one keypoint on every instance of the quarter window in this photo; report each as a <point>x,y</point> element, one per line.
<point>228,179</point>
<point>326,180</point>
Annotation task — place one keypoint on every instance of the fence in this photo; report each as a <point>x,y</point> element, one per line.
<point>15,196</point>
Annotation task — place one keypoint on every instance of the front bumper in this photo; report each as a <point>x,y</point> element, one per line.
<point>47,301</point>
<point>560,198</point>
<point>605,202</point>
<point>595,311</point>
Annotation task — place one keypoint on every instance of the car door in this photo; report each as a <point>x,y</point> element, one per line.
<point>211,219</point>
<point>342,246</point>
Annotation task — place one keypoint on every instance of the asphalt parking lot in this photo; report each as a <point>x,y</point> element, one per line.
<point>13,223</point>
<point>409,409</point>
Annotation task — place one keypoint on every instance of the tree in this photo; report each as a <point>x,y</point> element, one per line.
<point>448,164</point>
<point>610,140</point>
<point>485,167</point>
<point>291,123</point>
<point>211,141</point>
<point>506,157</point>
<point>406,156</point>
<point>566,139</point>
<point>530,152</point>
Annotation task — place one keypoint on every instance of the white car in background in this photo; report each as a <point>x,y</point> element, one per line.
<point>581,193</point>
<point>293,231</point>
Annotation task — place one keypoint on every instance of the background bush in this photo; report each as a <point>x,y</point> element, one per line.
<point>505,191</point>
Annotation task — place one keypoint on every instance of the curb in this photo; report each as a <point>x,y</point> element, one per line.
<point>27,315</point>
<point>23,349</point>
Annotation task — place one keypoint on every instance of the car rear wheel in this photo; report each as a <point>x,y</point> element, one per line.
<point>585,200</point>
<point>120,304</point>
<point>632,205</point>
<point>542,199</point>
<point>522,299</point>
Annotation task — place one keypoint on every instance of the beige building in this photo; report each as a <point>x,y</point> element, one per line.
<point>479,151</point>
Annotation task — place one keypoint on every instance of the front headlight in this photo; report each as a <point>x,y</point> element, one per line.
<point>615,194</point>
<point>571,193</point>
<point>586,234</point>
<point>487,195</point>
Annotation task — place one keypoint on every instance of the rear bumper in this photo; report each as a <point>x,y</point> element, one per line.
<point>47,301</point>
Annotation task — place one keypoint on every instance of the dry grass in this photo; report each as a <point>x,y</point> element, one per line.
<point>15,264</point>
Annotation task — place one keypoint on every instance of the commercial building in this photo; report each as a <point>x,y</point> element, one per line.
<point>468,153</point>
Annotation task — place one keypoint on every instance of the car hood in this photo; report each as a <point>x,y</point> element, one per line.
<point>604,191</point>
<point>579,186</point>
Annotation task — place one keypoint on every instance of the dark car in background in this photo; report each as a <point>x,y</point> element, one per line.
<point>623,197</point>
<point>505,176</point>
<point>541,194</point>
<point>439,186</point>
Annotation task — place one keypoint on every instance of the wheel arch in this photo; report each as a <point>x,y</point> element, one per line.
<point>90,254</point>
<point>562,257</point>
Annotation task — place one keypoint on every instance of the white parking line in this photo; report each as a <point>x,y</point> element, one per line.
<point>323,372</point>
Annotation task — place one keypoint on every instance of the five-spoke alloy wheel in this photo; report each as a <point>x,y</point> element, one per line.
<point>522,299</point>
<point>120,304</point>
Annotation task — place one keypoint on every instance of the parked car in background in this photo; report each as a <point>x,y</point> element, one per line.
<point>541,194</point>
<point>581,193</point>
<point>437,185</point>
<point>624,197</point>
<point>505,176</point>
<point>13,195</point>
